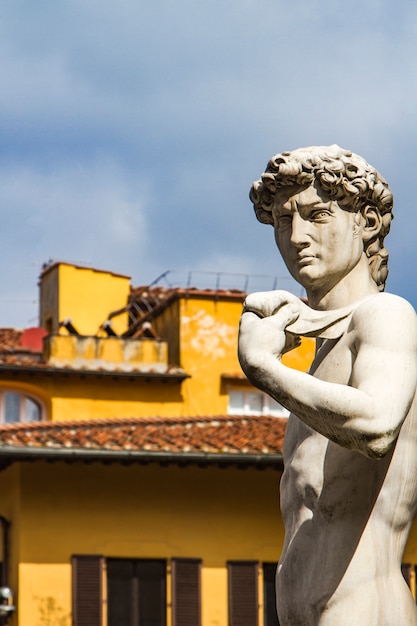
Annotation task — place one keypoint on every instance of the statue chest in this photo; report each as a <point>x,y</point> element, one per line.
<point>334,360</point>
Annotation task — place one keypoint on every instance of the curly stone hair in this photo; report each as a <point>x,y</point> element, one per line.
<point>346,178</point>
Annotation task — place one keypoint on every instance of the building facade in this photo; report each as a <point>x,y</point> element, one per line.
<point>139,468</point>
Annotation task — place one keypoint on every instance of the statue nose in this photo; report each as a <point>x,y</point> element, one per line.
<point>299,231</point>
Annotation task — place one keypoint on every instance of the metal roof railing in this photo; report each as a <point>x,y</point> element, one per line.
<point>201,279</point>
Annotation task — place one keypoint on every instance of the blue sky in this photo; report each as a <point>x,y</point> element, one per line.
<point>132,131</point>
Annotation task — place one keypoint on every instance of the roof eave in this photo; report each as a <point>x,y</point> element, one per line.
<point>33,369</point>
<point>10,455</point>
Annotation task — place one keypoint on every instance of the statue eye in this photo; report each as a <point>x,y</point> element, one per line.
<point>319,215</point>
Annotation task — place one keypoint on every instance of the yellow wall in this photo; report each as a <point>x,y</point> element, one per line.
<point>44,594</point>
<point>410,554</point>
<point>198,332</point>
<point>121,398</point>
<point>83,397</point>
<point>208,341</point>
<point>85,295</point>
<point>105,352</point>
<point>136,512</point>
<point>202,336</point>
<point>141,512</point>
<point>147,511</point>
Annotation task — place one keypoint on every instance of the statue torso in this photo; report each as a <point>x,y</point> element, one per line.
<point>338,507</point>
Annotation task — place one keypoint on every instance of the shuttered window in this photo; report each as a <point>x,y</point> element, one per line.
<point>136,592</point>
<point>87,590</point>
<point>243,593</point>
<point>270,608</point>
<point>186,592</point>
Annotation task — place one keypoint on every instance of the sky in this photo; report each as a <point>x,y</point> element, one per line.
<point>131,132</point>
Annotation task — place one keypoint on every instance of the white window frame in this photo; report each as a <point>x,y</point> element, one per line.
<point>268,405</point>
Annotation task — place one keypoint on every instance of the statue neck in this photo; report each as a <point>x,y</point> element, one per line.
<point>354,286</point>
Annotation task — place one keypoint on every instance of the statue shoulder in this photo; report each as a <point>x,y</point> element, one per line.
<point>388,315</point>
<point>386,304</point>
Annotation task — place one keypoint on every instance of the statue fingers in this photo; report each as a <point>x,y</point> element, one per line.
<point>286,315</point>
<point>267,303</point>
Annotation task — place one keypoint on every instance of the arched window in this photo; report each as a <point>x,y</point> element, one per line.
<point>16,406</point>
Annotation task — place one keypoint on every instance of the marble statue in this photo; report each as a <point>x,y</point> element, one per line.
<point>349,487</point>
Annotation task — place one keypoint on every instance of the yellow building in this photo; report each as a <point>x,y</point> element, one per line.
<point>139,469</point>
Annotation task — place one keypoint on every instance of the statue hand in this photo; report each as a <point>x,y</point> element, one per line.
<point>267,303</point>
<point>263,337</point>
<point>309,323</point>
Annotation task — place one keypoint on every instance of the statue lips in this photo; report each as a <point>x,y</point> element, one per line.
<point>305,259</point>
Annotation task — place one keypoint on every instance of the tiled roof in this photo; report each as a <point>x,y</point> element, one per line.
<point>27,363</point>
<point>14,350</point>
<point>221,438</point>
<point>33,362</point>
<point>9,339</point>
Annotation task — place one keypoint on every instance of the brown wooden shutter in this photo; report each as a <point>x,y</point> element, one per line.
<point>243,593</point>
<point>270,605</point>
<point>186,592</point>
<point>87,590</point>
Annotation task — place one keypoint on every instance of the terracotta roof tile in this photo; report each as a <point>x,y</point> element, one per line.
<point>205,435</point>
<point>16,346</point>
<point>9,339</point>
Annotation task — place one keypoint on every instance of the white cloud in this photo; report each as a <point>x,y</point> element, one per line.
<point>90,216</point>
<point>131,132</point>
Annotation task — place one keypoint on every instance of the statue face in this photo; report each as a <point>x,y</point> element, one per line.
<point>319,241</point>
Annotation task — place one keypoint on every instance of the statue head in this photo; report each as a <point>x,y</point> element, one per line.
<point>345,178</point>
